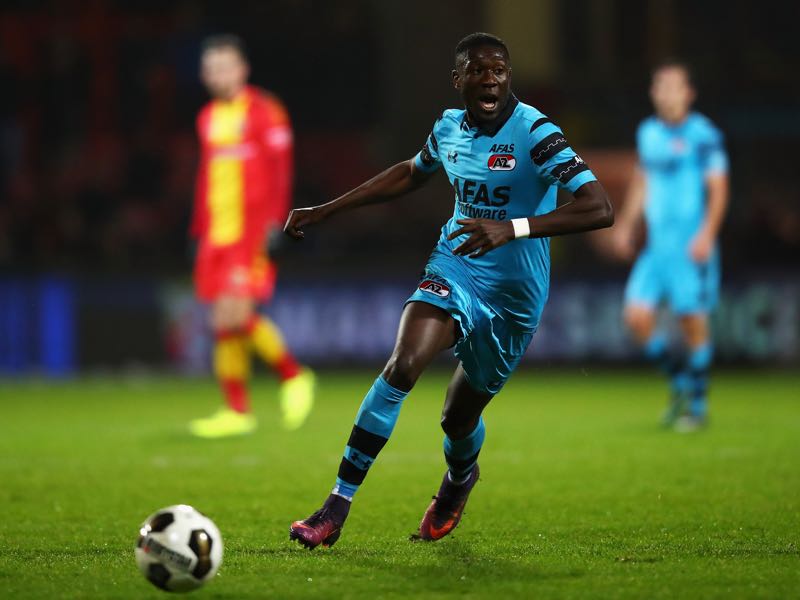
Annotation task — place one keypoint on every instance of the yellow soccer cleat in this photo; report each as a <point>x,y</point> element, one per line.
<point>297,398</point>
<point>223,423</point>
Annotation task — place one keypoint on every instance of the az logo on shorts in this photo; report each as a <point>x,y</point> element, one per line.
<point>502,162</point>
<point>435,288</point>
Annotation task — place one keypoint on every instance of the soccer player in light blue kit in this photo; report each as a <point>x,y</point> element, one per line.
<point>681,187</point>
<point>486,283</point>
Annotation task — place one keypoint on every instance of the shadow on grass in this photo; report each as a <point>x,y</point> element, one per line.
<point>445,561</point>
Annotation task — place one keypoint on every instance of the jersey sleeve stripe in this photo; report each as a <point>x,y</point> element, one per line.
<point>548,148</point>
<point>565,171</point>
<point>434,143</point>
<point>579,180</point>
<point>538,123</point>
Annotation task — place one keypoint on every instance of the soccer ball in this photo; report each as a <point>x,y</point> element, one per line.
<point>179,548</point>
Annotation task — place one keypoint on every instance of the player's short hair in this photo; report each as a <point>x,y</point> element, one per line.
<point>224,41</point>
<point>674,63</point>
<point>476,40</point>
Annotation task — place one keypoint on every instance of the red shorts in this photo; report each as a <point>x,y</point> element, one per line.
<point>233,270</point>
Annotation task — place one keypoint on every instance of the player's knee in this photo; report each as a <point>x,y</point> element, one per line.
<point>695,330</point>
<point>456,424</point>
<point>631,319</point>
<point>639,323</point>
<point>238,320</point>
<point>221,323</point>
<point>403,370</point>
<point>225,319</point>
<point>230,315</point>
<point>217,322</point>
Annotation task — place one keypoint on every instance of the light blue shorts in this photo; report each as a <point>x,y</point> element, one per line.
<point>489,347</point>
<point>686,286</point>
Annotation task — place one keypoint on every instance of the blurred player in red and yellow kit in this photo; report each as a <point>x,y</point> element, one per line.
<point>242,197</point>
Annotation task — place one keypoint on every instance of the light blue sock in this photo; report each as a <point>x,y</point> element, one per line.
<point>374,424</point>
<point>681,383</point>
<point>461,455</point>
<point>699,362</point>
<point>656,350</point>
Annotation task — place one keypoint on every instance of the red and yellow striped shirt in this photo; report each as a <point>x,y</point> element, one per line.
<point>245,173</point>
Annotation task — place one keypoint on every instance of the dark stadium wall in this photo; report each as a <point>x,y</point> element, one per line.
<point>98,156</point>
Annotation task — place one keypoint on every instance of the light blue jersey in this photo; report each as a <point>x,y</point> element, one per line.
<point>508,171</point>
<point>676,160</point>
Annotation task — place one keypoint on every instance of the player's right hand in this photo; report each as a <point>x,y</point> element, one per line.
<point>299,218</point>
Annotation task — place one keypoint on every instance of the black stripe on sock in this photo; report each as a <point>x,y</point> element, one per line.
<point>699,381</point>
<point>350,473</point>
<point>673,363</point>
<point>461,464</point>
<point>366,442</point>
<point>672,368</point>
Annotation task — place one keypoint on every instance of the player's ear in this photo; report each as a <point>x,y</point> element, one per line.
<point>456,79</point>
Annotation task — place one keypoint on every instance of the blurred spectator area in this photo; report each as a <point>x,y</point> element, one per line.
<point>97,149</point>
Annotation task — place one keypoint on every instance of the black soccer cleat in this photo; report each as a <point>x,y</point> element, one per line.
<point>324,526</point>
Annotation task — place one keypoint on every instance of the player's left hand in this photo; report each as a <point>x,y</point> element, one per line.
<point>484,235</point>
<point>701,247</point>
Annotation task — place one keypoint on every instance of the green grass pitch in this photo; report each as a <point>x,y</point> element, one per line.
<point>581,496</point>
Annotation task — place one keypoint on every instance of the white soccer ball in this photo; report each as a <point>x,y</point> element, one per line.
<point>179,548</point>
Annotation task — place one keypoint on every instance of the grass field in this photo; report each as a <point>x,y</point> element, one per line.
<point>581,495</point>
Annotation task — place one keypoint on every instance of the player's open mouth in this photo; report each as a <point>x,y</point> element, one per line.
<point>488,103</point>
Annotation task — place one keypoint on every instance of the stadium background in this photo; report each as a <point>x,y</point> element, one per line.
<point>97,158</point>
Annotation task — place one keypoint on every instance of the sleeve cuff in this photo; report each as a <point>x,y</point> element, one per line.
<point>422,166</point>
<point>579,180</point>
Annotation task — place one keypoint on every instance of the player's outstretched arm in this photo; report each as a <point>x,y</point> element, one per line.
<point>590,209</point>
<point>391,183</point>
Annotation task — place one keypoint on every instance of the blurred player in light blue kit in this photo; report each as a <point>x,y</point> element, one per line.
<point>681,188</point>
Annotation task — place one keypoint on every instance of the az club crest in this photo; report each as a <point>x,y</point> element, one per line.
<point>502,162</point>
<point>435,288</point>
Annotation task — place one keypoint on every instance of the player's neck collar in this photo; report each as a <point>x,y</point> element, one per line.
<point>491,128</point>
<point>676,124</point>
<point>239,96</point>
